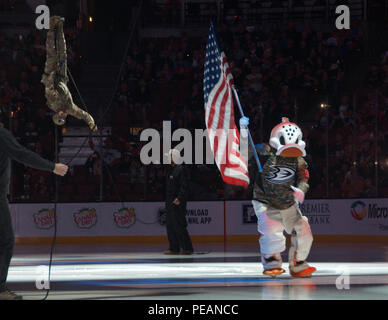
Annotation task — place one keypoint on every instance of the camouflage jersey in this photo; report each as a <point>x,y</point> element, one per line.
<point>273,185</point>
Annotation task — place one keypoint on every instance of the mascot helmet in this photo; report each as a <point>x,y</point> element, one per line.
<point>286,138</point>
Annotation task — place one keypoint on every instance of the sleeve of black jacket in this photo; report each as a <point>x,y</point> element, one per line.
<point>16,152</point>
<point>184,184</point>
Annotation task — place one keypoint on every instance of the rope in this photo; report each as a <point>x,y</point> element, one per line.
<point>84,107</point>
<point>56,191</point>
<point>55,216</point>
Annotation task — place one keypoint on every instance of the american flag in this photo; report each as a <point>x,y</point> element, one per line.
<point>219,115</point>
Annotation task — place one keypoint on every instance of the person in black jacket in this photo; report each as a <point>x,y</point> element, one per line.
<point>177,188</point>
<point>11,149</point>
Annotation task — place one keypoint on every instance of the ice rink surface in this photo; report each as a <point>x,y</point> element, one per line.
<point>344,271</point>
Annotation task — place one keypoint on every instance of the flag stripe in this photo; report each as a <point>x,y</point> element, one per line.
<point>219,115</point>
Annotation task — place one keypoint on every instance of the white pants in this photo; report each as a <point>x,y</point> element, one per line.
<point>271,225</point>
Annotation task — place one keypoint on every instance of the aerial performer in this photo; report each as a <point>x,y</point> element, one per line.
<point>55,78</point>
<point>277,192</point>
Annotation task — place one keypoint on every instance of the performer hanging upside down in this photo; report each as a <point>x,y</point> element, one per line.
<point>55,78</point>
<point>277,193</point>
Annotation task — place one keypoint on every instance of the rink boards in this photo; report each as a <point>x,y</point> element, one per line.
<point>205,218</point>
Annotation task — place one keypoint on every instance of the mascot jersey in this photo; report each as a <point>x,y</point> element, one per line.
<point>283,167</point>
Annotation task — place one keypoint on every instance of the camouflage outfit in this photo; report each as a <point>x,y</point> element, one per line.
<point>55,76</point>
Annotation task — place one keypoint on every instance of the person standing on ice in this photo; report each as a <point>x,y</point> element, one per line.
<point>177,192</point>
<point>10,149</point>
<point>277,192</point>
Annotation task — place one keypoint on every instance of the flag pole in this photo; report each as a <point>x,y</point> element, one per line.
<point>249,133</point>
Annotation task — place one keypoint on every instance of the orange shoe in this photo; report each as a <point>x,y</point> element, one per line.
<point>298,269</point>
<point>274,272</point>
<point>303,273</point>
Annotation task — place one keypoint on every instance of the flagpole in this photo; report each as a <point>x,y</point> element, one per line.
<point>249,133</point>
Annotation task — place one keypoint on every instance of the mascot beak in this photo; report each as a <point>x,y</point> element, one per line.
<point>291,150</point>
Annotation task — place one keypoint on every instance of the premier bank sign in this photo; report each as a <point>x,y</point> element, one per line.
<point>318,213</point>
<point>315,208</point>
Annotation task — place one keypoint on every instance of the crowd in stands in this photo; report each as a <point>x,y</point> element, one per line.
<point>279,71</point>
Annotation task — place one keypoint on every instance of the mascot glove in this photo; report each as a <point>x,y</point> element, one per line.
<point>298,194</point>
<point>244,123</point>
